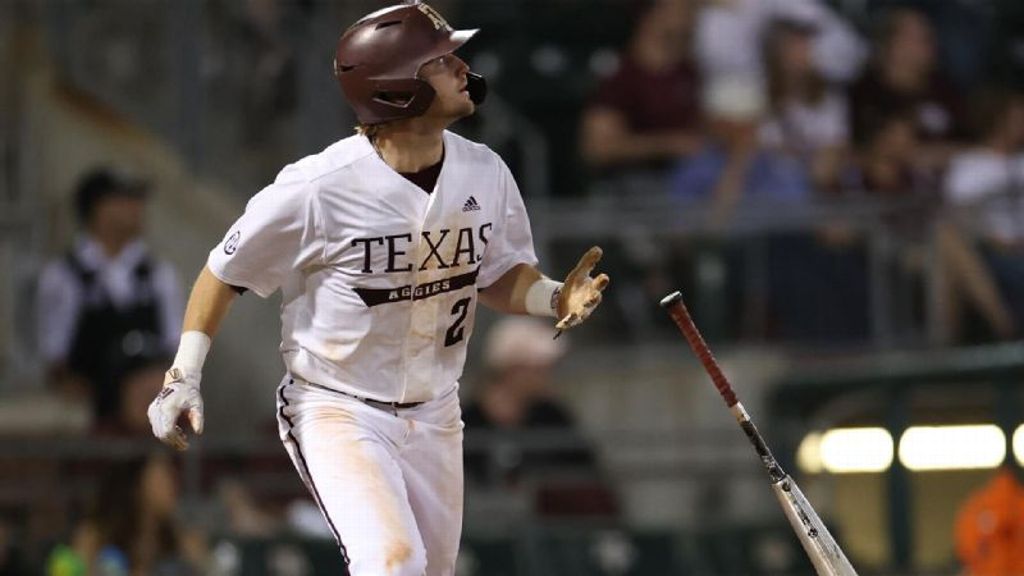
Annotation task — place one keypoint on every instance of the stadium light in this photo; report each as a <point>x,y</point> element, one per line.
<point>921,448</point>
<point>808,454</point>
<point>1018,444</point>
<point>968,447</point>
<point>849,450</point>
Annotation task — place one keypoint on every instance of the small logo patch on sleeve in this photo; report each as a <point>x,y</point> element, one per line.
<point>231,244</point>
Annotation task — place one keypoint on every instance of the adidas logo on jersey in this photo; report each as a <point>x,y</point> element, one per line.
<point>470,205</point>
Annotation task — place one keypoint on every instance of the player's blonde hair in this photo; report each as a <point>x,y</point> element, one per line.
<point>368,130</point>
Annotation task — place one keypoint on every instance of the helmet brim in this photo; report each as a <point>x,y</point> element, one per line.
<point>454,41</point>
<point>461,36</point>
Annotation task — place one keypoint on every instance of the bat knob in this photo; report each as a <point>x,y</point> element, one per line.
<point>672,299</point>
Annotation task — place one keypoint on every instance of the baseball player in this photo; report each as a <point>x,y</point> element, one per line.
<point>381,245</point>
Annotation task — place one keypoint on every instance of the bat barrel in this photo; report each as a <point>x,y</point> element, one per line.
<point>825,554</point>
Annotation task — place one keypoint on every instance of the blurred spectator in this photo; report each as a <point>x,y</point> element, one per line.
<point>730,35</point>
<point>638,124</point>
<point>989,528</point>
<point>245,517</point>
<point>131,527</point>
<point>985,184</point>
<point>138,384</point>
<point>807,122</point>
<point>647,114</point>
<point>108,299</point>
<point>904,77</point>
<point>807,118</point>
<point>732,173</point>
<point>775,152</point>
<point>990,176</point>
<point>515,403</point>
<point>889,169</point>
<point>733,166</point>
<point>886,164</point>
<point>304,519</point>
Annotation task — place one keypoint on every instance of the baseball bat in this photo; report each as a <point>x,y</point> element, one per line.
<point>826,556</point>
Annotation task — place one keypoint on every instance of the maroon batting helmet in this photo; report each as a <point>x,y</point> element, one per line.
<point>379,57</point>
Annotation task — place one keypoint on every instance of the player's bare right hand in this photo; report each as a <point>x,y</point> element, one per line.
<point>180,395</point>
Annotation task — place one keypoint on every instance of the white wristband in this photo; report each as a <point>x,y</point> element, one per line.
<point>540,298</point>
<point>192,352</point>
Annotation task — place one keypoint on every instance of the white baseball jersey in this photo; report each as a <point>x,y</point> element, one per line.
<point>379,278</point>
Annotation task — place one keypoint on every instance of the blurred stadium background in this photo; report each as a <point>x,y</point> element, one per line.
<point>869,314</point>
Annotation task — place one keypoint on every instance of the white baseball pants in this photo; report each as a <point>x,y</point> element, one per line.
<point>389,484</point>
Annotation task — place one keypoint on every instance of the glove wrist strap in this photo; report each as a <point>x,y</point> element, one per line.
<point>192,352</point>
<point>540,298</point>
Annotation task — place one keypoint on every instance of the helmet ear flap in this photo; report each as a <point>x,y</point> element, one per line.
<point>477,87</point>
<point>402,98</point>
<point>397,99</point>
<point>340,68</point>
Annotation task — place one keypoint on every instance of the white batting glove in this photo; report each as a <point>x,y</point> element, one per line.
<point>179,395</point>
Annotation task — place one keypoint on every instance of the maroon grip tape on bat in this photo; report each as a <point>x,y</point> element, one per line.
<point>677,310</point>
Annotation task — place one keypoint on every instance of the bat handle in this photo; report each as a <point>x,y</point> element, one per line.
<point>673,303</point>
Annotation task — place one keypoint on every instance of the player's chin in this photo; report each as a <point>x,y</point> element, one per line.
<point>463,109</point>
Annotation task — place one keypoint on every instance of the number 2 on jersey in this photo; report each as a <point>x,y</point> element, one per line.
<point>457,331</point>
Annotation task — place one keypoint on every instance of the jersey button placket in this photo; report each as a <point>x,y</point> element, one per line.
<point>423,336</point>
<point>414,333</point>
<point>422,329</point>
<point>408,348</point>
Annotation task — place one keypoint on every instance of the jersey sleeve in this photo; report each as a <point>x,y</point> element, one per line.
<point>512,240</point>
<point>280,232</point>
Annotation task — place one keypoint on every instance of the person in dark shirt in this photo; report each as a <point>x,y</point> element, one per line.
<point>108,300</point>
<point>639,122</point>
<point>904,77</point>
<point>141,378</point>
<point>647,114</point>
<point>524,432</point>
<point>886,165</point>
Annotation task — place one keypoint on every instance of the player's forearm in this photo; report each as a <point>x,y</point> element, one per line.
<point>208,304</point>
<point>511,294</point>
<point>207,307</point>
